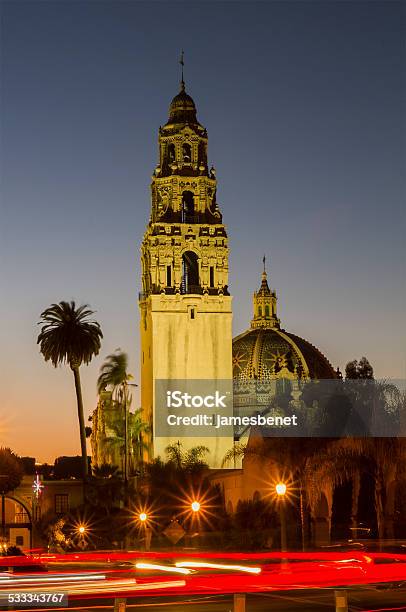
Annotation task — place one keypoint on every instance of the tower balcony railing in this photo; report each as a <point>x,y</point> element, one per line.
<point>191,289</point>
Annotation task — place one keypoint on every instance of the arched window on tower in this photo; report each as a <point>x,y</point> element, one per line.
<point>187,153</point>
<point>259,311</point>
<point>190,273</point>
<point>202,154</point>
<point>188,207</point>
<point>171,153</point>
<point>267,311</point>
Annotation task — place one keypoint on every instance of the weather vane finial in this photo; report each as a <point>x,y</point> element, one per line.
<point>182,63</point>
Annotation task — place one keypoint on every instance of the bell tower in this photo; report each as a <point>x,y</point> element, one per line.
<point>186,316</point>
<point>264,303</point>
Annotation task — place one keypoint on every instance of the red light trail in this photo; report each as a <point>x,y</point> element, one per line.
<point>203,573</point>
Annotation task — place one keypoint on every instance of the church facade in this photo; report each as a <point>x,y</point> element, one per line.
<point>185,304</point>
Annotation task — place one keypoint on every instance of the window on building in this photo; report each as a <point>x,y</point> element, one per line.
<point>211,276</point>
<point>192,313</point>
<point>202,154</point>
<point>190,273</point>
<point>267,310</point>
<point>169,276</point>
<point>171,153</point>
<point>19,540</point>
<point>187,152</point>
<point>188,206</point>
<point>61,503</point>
<point>259,311</point>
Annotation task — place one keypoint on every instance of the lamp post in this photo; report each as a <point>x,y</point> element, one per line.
<point>280,489</point>
<point>81,531</point>
<point>125,385</point>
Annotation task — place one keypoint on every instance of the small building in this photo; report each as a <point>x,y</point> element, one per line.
<point>30,501</point>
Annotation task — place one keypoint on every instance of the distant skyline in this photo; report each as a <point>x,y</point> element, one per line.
<point>304,103</point>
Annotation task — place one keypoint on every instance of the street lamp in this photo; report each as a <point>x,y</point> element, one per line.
<point>143,517</point>
<point>281,489</point>
<point>82,530</point>
<point>195,506</point>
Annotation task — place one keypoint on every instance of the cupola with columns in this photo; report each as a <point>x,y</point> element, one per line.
<point>264,302</point>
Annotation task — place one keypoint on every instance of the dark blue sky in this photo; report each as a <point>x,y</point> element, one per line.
<point>304,103</point>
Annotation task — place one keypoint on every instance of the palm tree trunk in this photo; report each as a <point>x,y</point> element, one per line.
<point>79,399</point>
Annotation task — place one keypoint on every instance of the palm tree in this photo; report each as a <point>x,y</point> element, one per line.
<point>106,487</point>
<point>136,427</point>
<point>291,456</point>
<point>191,460</point>
<point>68,336</point>
<point>349,458</point>
<point>113,374</point>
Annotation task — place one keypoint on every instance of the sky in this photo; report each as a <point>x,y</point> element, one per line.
<point>304,103</point>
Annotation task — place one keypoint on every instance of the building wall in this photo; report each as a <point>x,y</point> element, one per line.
<point>176,346</point>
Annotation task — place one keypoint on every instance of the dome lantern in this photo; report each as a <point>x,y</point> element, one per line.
<point>264,302</point>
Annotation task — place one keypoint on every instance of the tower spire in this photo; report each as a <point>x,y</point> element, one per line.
<point>182,63</point>
<point>264,304</point>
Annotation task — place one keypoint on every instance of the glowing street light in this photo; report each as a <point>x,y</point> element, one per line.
<point>195,506</point>
<point>143,517</point>
<point>280,489</point>
<point>81,529</point>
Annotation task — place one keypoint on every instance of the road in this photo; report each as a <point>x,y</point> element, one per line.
<point>205,582</point>
<point>365,600</point>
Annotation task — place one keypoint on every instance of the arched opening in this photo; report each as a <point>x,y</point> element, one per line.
<point>267,311</point>
<point>321,530</point>
<point>259,311</point>
<point>341,511</point>
<point>16,523</point>
<point>171,153</point>
<point>190,273</point>
<point>187,153</point>
<point>202,154</point>
<point>188,206</point>
<point>400,509</point>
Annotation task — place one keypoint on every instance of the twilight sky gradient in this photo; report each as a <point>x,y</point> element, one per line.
<point>305,109</point>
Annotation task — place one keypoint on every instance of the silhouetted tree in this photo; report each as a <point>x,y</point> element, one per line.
<point>11,470</point>
<point>361,369</point>
<point>68,336</point>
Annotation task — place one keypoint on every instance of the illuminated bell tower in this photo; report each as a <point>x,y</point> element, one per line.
<point>186,316</point>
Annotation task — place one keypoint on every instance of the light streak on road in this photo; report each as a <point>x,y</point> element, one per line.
<point>162,568</point>
<point>224,566</point>
<point>9,580</point>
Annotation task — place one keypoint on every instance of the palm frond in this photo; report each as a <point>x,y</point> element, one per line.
<point>67,335</point>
